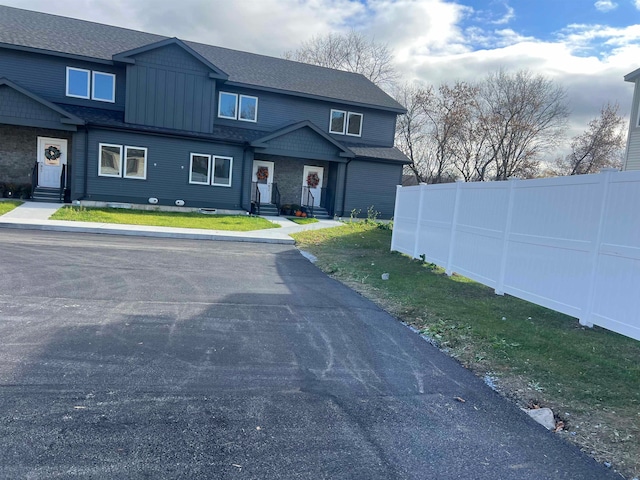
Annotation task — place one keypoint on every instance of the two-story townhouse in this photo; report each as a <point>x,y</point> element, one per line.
<point>118,115</point>
<point>632,157</point>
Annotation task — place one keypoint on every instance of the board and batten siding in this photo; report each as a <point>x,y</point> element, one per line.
<point>371,184</point>
<point>168,161</point>
<point>46,76</point>
<point>279,110</point>
<point>169,88</point>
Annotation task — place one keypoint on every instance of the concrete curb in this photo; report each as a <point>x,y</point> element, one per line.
<point>146,233</point>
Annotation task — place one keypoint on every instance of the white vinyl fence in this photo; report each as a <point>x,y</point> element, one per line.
<point>571,244</point>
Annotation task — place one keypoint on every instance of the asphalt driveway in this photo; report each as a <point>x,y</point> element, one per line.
<point>130,357</point>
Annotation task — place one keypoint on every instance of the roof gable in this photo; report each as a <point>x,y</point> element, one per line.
<point>302,139</point>
<point>33,106</point>
<point>165,45</point>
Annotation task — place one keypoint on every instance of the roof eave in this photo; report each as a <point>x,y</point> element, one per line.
<point>631,77</point>
<point>396,110</point>
<point>53,53</point>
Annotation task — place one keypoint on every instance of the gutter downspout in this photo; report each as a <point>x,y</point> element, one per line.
<point>244,161</point>
<point>344,186</point>
<point>86,162</point>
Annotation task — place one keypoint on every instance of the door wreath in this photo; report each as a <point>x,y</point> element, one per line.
<point>262,174</point>
<point>313,180</point>
<point>52,152</point>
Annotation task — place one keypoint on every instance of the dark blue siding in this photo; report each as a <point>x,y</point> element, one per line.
<point>168,87</point>
<point>18,109</point>
<point>167,172</point>
<point>304,143</point>
<point>46,76</point>
<point>277,110</point>
<point>372,184</point>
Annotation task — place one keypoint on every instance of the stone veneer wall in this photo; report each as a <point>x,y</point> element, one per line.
<point>18,151</point>
<point>288,175</point>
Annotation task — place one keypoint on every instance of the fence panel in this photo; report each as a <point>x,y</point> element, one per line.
<point>568,243</point>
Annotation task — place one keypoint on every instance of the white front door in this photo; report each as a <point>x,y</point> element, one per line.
<point>312,182</point>
<point>263,177</point>
<point>52,155</point>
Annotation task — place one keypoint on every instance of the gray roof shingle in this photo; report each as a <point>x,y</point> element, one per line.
<point>42,31</point>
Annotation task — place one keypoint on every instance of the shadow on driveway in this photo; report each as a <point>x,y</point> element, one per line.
<point>128,358</point>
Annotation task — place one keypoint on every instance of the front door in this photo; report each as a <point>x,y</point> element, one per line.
<point>312,184</point>
<point>52,155</point>
<point>263,178</point>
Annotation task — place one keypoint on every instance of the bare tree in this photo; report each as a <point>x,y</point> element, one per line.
<point>523,115</point>
<point>449,110</point>
<point>411,135</point>
<point>352,52</point>
<point>601,145</point>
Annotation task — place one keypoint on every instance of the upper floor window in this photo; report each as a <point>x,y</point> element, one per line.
<point>238,107</point>
<point>345,123</point>
<point>104,87</point>
<point>98,86</point>
<point>78,82</point>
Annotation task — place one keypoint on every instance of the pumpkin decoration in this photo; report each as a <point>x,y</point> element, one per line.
<point>298,213</point>
<point>304,215</point>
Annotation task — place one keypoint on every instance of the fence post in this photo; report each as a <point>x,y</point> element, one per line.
<point>505,238</point>
<point>585,317</point>
<point>454,228</point>
<point>395,218</point>
<point>416,237</point>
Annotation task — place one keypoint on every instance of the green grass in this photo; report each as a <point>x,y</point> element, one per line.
<point>537,355</point>
<point>239,223</point>
<point>8,205</point>
<point>303,220</point>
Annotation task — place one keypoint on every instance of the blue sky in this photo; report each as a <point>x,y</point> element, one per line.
<point>587,46</point>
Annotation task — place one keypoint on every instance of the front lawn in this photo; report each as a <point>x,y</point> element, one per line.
<point>303,220</point>
<point>589,377</point>
<point>238,223</point>
<point>8,205</point>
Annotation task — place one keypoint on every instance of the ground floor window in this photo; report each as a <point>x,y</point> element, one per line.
<point>210,170</point>
<point>110,163</point>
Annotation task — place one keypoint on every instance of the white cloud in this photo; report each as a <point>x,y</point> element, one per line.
<point>638,4</point>
<point>606,5</point>
<point>507,17</point>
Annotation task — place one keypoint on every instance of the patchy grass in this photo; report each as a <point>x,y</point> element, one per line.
<point>8,205</point>
<point>303,220</point>
<point>239,223</point>
<point>589,377</point>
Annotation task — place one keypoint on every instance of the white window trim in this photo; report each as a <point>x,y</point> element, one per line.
<point>346,127</point>
<point>212,166</point>
<point>100,174</point>
<point>88,72</point>
<point>220,105</point>
<point>93,87</point>
<point>344,124</point>
<point>124,162</point>
<point>238,109</point>
<point>209,172</point>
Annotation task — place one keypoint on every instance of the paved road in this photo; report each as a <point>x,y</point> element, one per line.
<point>156,358</point>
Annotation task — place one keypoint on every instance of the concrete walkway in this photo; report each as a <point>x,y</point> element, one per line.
<point>35,216</point>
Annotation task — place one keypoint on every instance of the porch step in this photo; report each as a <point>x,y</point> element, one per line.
<point>46,194</point>
<point>269,210</point>
<point>320,213</point>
